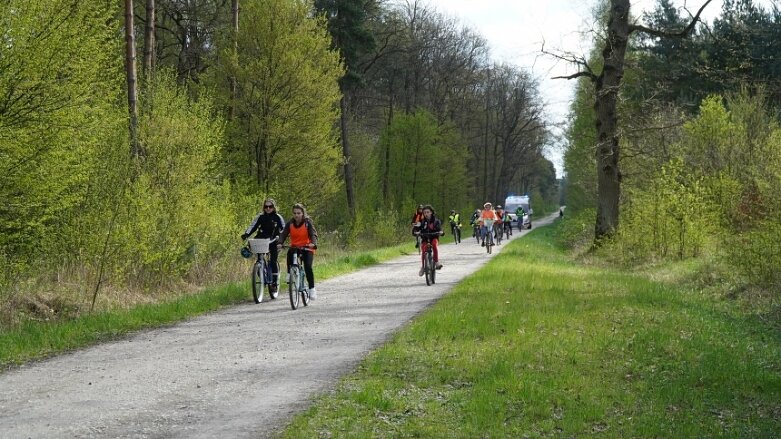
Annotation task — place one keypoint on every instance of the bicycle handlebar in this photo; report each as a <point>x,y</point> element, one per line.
<point>313,248</point>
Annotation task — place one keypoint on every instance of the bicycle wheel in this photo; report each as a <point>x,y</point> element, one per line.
<point>303,289</point>
<point>455,236</point>
<point>428,267</point>
<point>489,242</point>
<point>420,243</point>
<point>258,284</point>
<point>293,287</point>
<point>269,278</point>
<point>433,267</point>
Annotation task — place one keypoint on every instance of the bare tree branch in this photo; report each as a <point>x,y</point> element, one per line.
<point>659,33</point>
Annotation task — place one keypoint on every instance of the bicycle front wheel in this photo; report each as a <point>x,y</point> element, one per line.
<point>293,287</point>
<point>428,267</point>
<point>258,283</point>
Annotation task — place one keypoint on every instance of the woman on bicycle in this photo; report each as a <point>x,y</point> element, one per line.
<point>487,219</point>
<point>268,224</point>
<point>431,227</point>
<point>303,235</point>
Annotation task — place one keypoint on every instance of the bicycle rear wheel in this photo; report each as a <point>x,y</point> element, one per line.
<point>293,287</point>
<point>258,283</point>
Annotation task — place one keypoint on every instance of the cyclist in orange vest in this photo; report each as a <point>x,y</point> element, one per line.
<point>302,234</point>
<point>416,219</point>
<point>487,219</point>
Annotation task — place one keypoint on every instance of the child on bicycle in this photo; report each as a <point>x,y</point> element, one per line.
<point>430,229</point>
<point>268,224</point>
<point>302,235</point>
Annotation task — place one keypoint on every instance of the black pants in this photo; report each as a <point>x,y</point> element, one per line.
<point>305,257</point>
<point>273,253</point>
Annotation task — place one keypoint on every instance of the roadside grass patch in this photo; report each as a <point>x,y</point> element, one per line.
<point>536,345</point>
<point>33,339</point>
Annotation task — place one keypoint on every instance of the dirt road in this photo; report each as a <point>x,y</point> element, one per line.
<point>240,372</point>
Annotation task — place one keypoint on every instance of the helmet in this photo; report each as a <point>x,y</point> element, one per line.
<point>245,252</point>
<point>452,211</point>
<point>498,206</point>
<point>487,204</point>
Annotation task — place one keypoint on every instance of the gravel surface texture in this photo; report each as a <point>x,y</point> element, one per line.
<point>240,372</point>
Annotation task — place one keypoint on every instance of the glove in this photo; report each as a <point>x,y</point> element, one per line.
<point>244,236</point>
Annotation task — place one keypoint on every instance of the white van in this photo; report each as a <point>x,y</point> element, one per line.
<point>511,205</point>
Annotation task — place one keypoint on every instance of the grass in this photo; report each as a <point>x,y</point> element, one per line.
<point>535,345</point>
<point>34,339</point>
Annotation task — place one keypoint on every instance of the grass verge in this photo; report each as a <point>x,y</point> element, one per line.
<point>535,345</point>
<point>32,339</point>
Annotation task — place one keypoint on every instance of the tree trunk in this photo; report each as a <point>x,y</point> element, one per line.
<point>233,81</point>
<point>607,86</point>
<point>348,171</point>
<point>149,40</point>
<point>130,66</point>
<point>386,169</point>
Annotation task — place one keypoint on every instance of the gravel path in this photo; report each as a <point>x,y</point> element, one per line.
<point>240,372</point>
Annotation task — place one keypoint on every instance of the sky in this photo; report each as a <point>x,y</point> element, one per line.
<point>516,30</point>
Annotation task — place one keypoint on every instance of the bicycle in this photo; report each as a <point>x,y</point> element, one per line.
<point>508,230</point>
<point>489,236</point>
<point>296,285</point>
<point>456,229</point>
<point>429,267</point>
<point>498,235</point>
<point>262,275</point>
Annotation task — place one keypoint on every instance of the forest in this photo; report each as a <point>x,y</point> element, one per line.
<point>139,138</point>
<point>695,160</point>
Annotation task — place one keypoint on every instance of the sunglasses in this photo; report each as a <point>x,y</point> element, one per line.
<point>268,206</point>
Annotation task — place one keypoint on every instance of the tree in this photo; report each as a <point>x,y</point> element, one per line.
<point>347,23</point>
<point>607,85</point>
<point>287,95</point>
<point>130,74</point>
<point>149,39</point>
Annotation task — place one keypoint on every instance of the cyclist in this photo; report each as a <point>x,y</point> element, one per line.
<point>498,229</point>
<point>268,225</point>
<point>416,219</point>
<point>487,218</point>
<point>508,222</point>
<point>475,223</point>
<point>302,234</point>
<point>433,226</point>
<point>455,225</point>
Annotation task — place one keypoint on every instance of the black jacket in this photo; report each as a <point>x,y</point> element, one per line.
<point>268,225</point>
<point>430,226</point>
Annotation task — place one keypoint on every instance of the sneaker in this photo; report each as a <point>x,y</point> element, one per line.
<point>438,266</point>
<point>313,293</point>
<point>273,288</point>
<point>422,271</point>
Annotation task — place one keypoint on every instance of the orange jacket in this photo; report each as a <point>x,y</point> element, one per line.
<point>488,215</point>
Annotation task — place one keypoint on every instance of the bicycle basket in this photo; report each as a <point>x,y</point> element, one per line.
<point>245,252</point>
<point>259,245</point>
